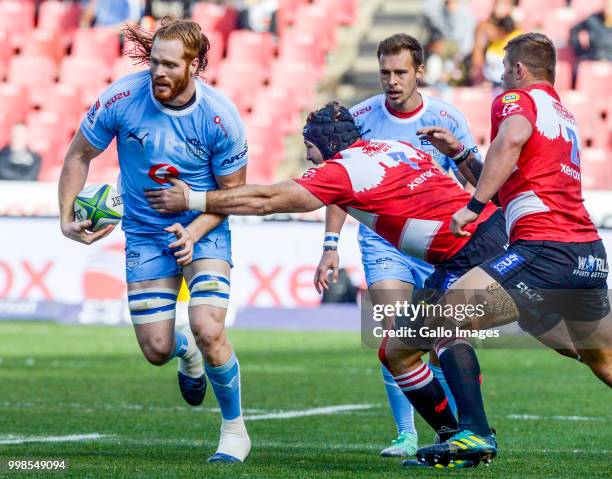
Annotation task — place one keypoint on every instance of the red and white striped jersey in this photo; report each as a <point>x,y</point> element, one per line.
<point>397,191</point>
<point>542,199</point>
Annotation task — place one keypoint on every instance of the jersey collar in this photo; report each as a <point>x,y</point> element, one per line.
<point>170,111</point>
<point>414,115</point>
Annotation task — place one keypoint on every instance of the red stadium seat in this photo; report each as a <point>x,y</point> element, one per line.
<point>563,76</point>
<point>299,78</point>
<point>17,19</point>
<point>5,129</point>
<point>315,19</point>
<point>57,16</point>
<point>557,25</point>
<point>276,105</point>
<point>248,46</point>
<point>83,71</point>
<point>242,79</point>
<point>594,77</point>
<point>212,16</point>
<point>596,169</point>
<point>13,102</point>
<point>302,47</point>
<point>96,43</point>
<point>269,140</point>
<point>124,66</point>
<point>344,11</point>
<point>49,125</point>
<point>286,14</point>
<point>33,71</point>
<point>217,47</point>
<point>5,52</point>
<point>45,43</point>
<point>475,104</point>
<point>66,100</point>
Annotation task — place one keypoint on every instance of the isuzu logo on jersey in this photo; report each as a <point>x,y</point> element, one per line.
<point>591,267</point>
<point>160,173</point>
<point>118,96</point>
<point>361,111</point>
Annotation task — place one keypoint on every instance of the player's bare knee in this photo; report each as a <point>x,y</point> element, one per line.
<point>398,357</point>
<point>157,349</point>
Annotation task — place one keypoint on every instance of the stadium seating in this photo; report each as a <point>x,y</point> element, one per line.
<point>296,46</point>
<point>5,129</point>
<point>475,104</point>
<point>563,76</point>
<point>124,66</point>
<point>344,12</point>
<point>13,102</point>
<point>315,19</point>
<point>100,43</point>
<point>83,71</point>
<point>557,24</point>
<point>595,169</point>
<point>215,17</point>
<point>33,71</point>
<point>17,19</point>
<point>44,43</point>
<point>64,99</point>
<point>253,47</point>
<point>58,16</point>
<point>594,77</point>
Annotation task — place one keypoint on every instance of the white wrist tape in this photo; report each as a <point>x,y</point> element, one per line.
<point>331,240</point>
<point>197,200</point>
<point>464,152</point>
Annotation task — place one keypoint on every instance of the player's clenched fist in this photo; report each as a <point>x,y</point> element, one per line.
<point>77,231</point>
<point>170,200</point>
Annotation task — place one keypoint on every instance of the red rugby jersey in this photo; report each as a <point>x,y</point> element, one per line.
<point>542,199</point>
<point>397,191</point>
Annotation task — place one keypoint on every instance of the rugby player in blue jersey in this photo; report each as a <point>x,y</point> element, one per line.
<point>168,122</point>
<point>399,113</point>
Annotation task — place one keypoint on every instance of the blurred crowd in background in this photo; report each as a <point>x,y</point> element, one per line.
<point>269,56</point>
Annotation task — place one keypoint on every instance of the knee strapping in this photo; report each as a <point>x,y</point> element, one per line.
<point>209,288</point>
<point>150,305</point>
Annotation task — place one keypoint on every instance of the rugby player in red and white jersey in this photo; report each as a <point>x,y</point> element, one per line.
<point>394,189</point>
<point>533,164</point>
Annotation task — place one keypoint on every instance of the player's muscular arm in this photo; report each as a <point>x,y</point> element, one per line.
<point>284,197</point>
<point>205,223</point>
<point>502,156</point>
<point>71,182</point>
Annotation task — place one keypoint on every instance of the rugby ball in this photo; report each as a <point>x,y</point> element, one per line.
<point>99,203</point>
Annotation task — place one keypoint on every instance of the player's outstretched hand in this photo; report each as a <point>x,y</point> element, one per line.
<point>444,141</point>
<point>184,243</point>
<point>330,261</point>
<point>77,231</point>
<point>170,200</point>
<point>460,219</point>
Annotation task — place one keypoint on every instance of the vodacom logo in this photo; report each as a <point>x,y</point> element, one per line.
<point>160,173</point>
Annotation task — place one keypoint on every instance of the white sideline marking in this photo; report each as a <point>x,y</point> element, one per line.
<point>70,438</point>
<point>559,418</point>
<point>317,411</point>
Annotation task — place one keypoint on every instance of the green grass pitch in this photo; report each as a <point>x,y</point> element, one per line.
<point>553,417</point>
